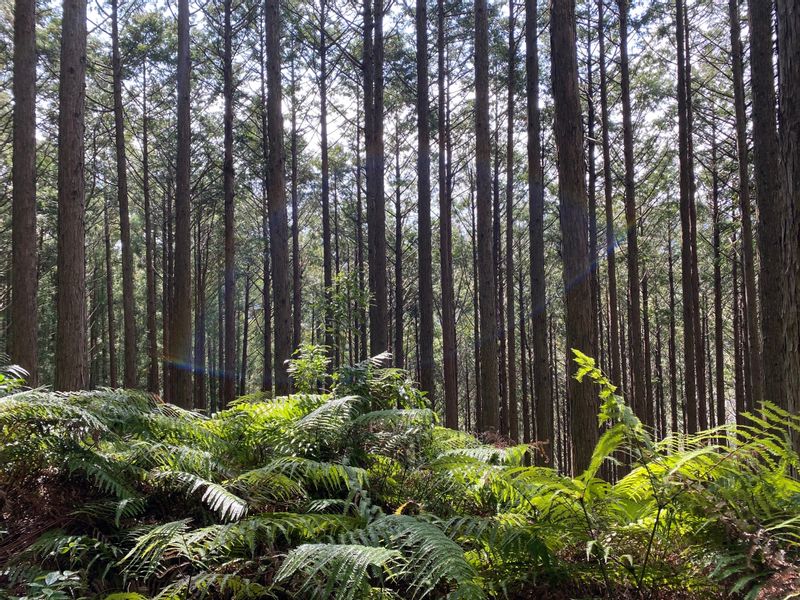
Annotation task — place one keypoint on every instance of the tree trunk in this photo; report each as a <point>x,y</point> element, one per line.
<point>180,337</point>
<point>449,343</point>
<point>476,318</point>
<point>611,242</point>
<point>574,227</point>
<point>24,348</point>
<point>771,204</point>
<point>376,204</point>
<point>399,357</point>
<point>789,60</point>
<point>542,390</point>
<point>719,359</point>
<point>424,205</point>
<point>327,256</point>
<point>486,289</point>
<point>112,331</point>
<point>631,219</point>
<point>245,336</point>
<point>276,196</point>
<point>297,276</point>
<point>128,309</point>
<point>229,376</point>
<point>71,367</point>
<point>513,417</point>
<point>149,244</point>
<point>673,361</point>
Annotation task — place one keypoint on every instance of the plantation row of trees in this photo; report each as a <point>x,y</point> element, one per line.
<point>197,189</point>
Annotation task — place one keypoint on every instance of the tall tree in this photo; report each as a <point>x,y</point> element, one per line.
<point>327,254</point>
<point>631,222</point>
<point>608,194</point>
<point>376,203</point>
<point>788,12</point>
<point>574,226</point>
<point>149,233</point>
<point>24,349</point>
<point>71,366</point>
<point>513,417</point>
<point>276,197</point>
<point>229,374</point>
<point>424,203</point>
<point>180,336</point>
<point>544,430</point>
<point>449,344</point>
<point>770,203</point>
<point>130,375</point>
<point>486,284</point>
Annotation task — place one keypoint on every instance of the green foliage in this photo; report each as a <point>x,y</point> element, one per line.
<point>358,494</point>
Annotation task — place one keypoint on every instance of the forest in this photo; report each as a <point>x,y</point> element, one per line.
<point>386,299</point>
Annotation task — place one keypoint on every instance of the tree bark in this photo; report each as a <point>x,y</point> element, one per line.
<point>180,337</point>
<point>511,357</point>
<point>771,204</point>
<point>130,377</point>
<point>276,196</point>
<point>788,13</point>
<point>24,348</point>
<point>71,366</point>
<point>631,219</point>
<point>574,227</point>
<point>112,330</point>
<point>229,375</point>
<point>149,244</point>
<point>486,290</point>
<point>449,344</point>
<point>542,390</point>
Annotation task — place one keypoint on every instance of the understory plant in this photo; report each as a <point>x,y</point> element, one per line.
<point>359,493</point>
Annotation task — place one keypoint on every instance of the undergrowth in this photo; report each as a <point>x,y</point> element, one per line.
<point>358,493</point>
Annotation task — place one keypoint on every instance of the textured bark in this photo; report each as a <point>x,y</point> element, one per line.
<point>511,357</point>
<point>149,244</point>
<point>753,332</point>
<point>573,217</point>
<point>71,359</point>
<point>542,390</point>
<point>476,333</point>
<point>245,336</point>
<point>719,357</point>
<point>673,361</point>
<point>399,296</point>
<point>771,204</point>
<point>424,252</point>
<point>276,197</point>
<point>180,337</point>
<point>631,226</point>
<point>690,389</point>
<point>376,204</point>
<point>297,275</point>
<point>266,295</point>
<point>229,374</point>
<point>486,290</point>
<point>523,353</point>
<point>24,349</point>
<point>327,255</point>
<point>608,191</point>
<point>130,377</point>
<point>788,12</point>
<point>449,345</point>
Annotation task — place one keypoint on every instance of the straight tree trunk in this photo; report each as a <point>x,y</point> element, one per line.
<point>449,344</point>
<point>631,219</point>
<point>788,12</point>
<point>376,204</point>
<point>542,390</point>
<point>24,348</point>
<point>719,356</point>
<point>229,375</point>
<point>180,337</point>
<point>424,252</point>
<point>648,413</point>
<point>149,235</point>
<point>245,336</point>
<point>297,276</point>
<point>690,389</point>
<point>771,204</point>
<point>276,197</point>
<point>200,400</point>
<point>611,242</point>
<point>71,366</point>
<point>673,361</point>
<point>266,296</point>
<point>476,322</point>
<point>574,226</point>
<point>327,255</point>
<point>130,377</point>
<point>488,343</point>
<point>753,332</point>
<point>399,300</point>
<point>513,416</point>
<point>737,340</point>
<point>112,330</point>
